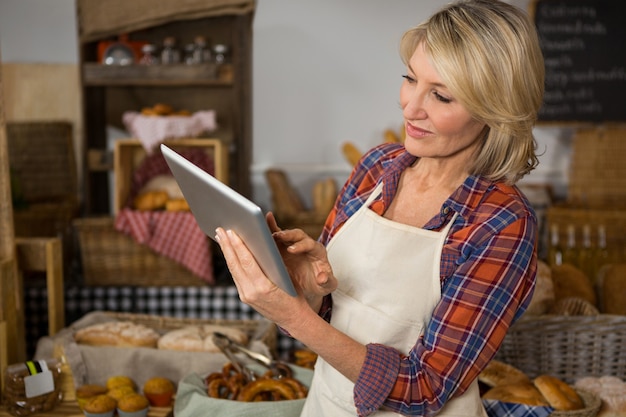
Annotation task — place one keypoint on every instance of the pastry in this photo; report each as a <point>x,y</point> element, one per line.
<point>199,338</point>
<point>120,381</point>
<point>100,404</point>
<point>117,333</point>
<point>133,403</point>
<point>120,392</point>
<point>159,391</point>
<point>87,391</point>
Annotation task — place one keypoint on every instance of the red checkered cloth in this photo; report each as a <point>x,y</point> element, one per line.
<point>152,130</point>
<point>172,234</point>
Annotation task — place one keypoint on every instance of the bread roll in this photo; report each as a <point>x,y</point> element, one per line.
<point>560,395</point>
<point>574,306</point>
<point>151,200</point>
<point>180,204</point>
<point>520,393</point>
<point>610,389</point>
<point>117,333</point>
<point>570,281</point>
<point>612,289</point>
<point>199,338</point>
<point>498,373</point>
<point>543,297</point>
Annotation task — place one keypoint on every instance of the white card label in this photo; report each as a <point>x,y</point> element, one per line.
<point>40,381</point>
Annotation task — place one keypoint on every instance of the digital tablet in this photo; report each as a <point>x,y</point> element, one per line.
<point>214,204</point>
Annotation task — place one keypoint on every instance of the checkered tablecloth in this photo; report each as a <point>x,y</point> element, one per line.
<point>182,302</point>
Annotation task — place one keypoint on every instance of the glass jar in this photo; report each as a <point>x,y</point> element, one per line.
<point>202,53</point>
<point>169,54</point>
<point>220,53</point>
<point>148,56</point>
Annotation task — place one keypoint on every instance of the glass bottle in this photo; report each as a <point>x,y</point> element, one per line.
<point>601,254</point>
<point>555,252</point>
<point>169,54</point>
<point>190,50</point>
<point>570,253</point>
<point>148,56</point>
<point>585,254</point>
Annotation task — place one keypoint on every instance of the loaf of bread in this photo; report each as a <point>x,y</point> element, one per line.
<point>117,333</point>
<point>543,297</point>
<point>570,281</point>
<point>610,389</point>
<point>612,289</point>
<point>199,338</point>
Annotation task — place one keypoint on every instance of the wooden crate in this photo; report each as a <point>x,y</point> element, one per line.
<point>129,153</point>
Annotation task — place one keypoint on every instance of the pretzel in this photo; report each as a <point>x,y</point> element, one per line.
<point>219,388</point>
<point>276,387</point>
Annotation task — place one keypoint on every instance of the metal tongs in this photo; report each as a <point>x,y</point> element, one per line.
<point>228,346</point>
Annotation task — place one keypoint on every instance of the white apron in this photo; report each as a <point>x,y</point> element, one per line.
<point>392,305</point>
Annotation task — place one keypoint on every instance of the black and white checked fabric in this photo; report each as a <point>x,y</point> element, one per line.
<point>220,303</point>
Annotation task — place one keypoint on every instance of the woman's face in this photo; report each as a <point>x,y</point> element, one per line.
<point>437,125</point>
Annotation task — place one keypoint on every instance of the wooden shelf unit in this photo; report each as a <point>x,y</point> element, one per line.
<point>109,91</point>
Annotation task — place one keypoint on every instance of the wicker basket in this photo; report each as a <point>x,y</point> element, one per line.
<point>597,169</point>
<point>111,258</point>
<point>567,347</point>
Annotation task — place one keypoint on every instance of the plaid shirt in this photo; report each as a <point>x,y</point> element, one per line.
<point>488,268</point>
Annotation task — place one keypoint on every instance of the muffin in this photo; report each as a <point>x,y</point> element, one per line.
<point>87,391</point>
<point>159,391</point>
<point>100,406</point>
<point>120,392</point>
<point>133,405</point>
<point>120,380</point>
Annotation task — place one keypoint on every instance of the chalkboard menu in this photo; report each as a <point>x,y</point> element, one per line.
<point>583,42</point>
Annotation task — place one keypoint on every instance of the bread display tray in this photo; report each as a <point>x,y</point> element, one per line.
<point>94,364</point>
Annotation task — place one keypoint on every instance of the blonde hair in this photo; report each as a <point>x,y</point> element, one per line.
<point>487,53</point>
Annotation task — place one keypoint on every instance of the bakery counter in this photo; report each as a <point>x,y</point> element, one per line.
<point>71,409</point>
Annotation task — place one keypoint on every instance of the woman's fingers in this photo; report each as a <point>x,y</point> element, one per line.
<point>271,222</point>
<point>241,262</point>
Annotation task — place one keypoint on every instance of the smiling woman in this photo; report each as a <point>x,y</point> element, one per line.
<point>427,237</point>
